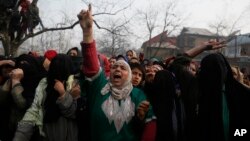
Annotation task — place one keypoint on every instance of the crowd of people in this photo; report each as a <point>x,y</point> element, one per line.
<point>24,17</point>
<point>84,96</point>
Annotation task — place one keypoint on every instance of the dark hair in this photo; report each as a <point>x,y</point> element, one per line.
<point>187,83</point>
<point>113,57</point>
<point>145,62</point>
<point>121,56</point>
<point>60,69</point>
<point>140,67</point>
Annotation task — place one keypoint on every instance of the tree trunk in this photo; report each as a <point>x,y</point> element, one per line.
<point>6,44</point>
<point>10,49</point>
<point>13,50</point>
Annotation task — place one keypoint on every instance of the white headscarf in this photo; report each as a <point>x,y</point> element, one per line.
<point>127,87</point>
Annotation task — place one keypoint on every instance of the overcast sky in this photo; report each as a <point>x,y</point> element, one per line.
<point>197,13</point>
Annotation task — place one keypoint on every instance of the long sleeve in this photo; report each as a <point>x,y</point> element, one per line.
<point>90,60</point>
<point>107,66</point>
<point>33,116</point>
<point>18,98</point>
<point>35,112</point>
<point>67,105</point>
<point>149,132</point>
<point>4,91</point>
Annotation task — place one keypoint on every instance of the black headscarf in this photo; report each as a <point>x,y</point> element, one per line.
<point>33,73</point>
<point>176,116</point>
<point>79,54</point>
<point>215,73</point>
<point>60,69</point>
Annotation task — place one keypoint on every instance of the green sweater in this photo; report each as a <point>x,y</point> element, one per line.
<point>101,128</point>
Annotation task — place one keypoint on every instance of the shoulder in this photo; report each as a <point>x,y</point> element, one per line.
<point>137,93</point>
<point>43,82</point>
<point>137,90</point>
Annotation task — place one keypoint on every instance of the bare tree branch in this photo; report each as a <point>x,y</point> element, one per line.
<point>46,30</point>
<point>110,8</point>
<point>75,23</point>
<point>116,12</point>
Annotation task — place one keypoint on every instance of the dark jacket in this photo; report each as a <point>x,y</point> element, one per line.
<point>176,115</point>
<point>216,82</point>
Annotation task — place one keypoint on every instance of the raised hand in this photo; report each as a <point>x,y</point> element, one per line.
<point>142,109</point>
<point>16,76</point>
<point>86,23</point>
<point>59,87</point>
<point>75,90</point>
<point>213,45</point>
<point>210,45</point>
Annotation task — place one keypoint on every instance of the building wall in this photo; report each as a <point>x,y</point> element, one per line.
<point>1,51</point>
<point>245,50</point>
<point>240,50</point>
<point>188,41</point>
<point>160,52</point>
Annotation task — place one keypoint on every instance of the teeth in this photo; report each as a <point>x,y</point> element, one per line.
<point>117,76</point>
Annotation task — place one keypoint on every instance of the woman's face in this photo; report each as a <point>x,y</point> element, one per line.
<point>129,55</point>
<point>151,71</point>
<point>112,61</point>
<point>119,74</point>
<point>73,53</point>
<point>136,77</point>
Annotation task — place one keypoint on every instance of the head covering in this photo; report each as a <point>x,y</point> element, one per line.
<point>76,49</point>
<point>33,73</point>
<point>50,54</point>
<point>60,69</point>
<point>121,57</point>
<point>119,107</point>
<point>218,88</point>
<point>153,60</point>
<point>145,62</point>
<point>126,88</point>
<point>133,53</point>
<point>33,53</point>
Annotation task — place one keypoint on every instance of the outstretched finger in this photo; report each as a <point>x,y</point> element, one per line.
<point>81,14</point>
<point>219,46</point>
<point>90,9</point>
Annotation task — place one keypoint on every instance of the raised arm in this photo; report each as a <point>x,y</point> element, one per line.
<point>7,62</point>
<point>211,45</point>
<point>90,60</point>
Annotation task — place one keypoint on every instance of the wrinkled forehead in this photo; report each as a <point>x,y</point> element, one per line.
<point>121,63</point>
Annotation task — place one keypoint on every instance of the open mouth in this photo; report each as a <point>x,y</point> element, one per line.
<point>117,76</point>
